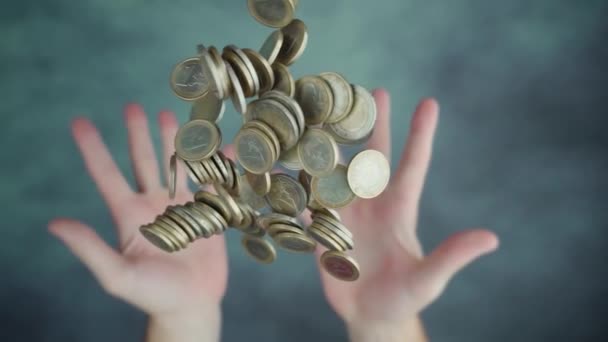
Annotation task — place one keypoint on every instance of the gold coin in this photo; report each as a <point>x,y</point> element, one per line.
<point>332,191</point>
<point>212,73</point>
<point>158,239</point>
<point>213,218</point>
<point>343,96</point>
<point>368,173</point>
<point>237,95</point>
<point>259,183</point>
<point>359,123</point>
<point>316,99</point>
<point>200,172</point>
<point>172,176</point>
<point>169,234</point>
<point>219,164</point>
<point>188,80</point>
<point>208,107</point>
<point>210,170</point>
<point>292,105</point>
<point>242,72</point>
<point>235,210</point>
<point>259,249</point>
<point>249,66</point>
<point>272,13</point>
<point>221,67</point>
<point>290,159</point>
<point>278,228</point>
<point>276,116</point>
<point>180,223</point>
<point>271,47</point>
<point>215,202</point>
<point>286,196</point>
<point>318,152</point>
<point>268,131</point>
<point>254,150</point>
<point>337,234</point>
<point>295,39</point>
<point>197,140</point>
<point>231,176</point>
<point>187,215</point>
<point>249,196</point>
<point>324,239</point>
<point>283,81</point>
<point>340,265</point>
<point>206,226</point>
<point>268,219</point>
<point>331,213</point>
<point>262,68</point>
<point>298,243</point>
<point>181,236</point>
<point>171,225</point>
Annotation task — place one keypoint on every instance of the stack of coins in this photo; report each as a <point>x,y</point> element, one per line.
<point>296,124</point>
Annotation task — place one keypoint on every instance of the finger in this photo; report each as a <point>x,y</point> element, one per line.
<point>141,149</point>
<point>168,129</point>
<point>100,164</point>
<point>229,151</point>
<point>381,138</point>
<point>454,254</point>
<point>102,260</point>
<point>409,179</point>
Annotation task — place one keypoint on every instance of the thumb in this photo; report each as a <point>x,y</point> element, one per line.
<point>103,261</point>
<point>454,254</point>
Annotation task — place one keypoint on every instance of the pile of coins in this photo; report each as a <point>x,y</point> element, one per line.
<point>296,124</point>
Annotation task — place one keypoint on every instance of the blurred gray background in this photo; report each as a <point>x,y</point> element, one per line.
<point>520,149</point>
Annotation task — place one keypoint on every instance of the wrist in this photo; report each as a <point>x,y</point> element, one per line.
<point>199,326</point>
<point>410,330</point>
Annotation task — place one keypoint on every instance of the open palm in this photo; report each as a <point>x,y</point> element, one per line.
<point>397,281</point>
<point>138,272</point>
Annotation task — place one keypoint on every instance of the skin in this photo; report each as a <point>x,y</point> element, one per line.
<point>182,292</point>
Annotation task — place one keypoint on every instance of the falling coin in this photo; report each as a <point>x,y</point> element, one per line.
<point>259,249</point>
<point>188,80</point>
<point>368,173</point>
<point>332,191</point>
<point>340,265</point>
<point>172,176</point>
<point>197,140</point>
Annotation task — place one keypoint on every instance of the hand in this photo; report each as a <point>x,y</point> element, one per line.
<point>397,281</point>
<point>180,291</point>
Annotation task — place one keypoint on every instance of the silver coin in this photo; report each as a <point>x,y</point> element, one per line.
<point>343,96</point>
<point>287,196</point>
<point>271,47</point>
<point>208,107</point>
<point>188,80</point>
<point>359,123</point>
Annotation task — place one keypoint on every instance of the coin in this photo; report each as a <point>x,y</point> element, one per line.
<point>158,239</point>
<point>270,133</point>
<point>262,68</point>
<point>343,96</point>
<point>254,150</point>
<point>248,67</point>
<point>340,265</point>
<point>273,13</point>
<point>278,228</point>
<point>259,183</point>
<point>276,116</point>
<point>188,80</point>
<point>221,67</point>
<point>290,159</point>
<point>172,176</point>
<point>332,191</point>
<point>368,173</point>
<point>242,72</point>
<point>359,123</point>
<point>295,39</point>
<point>178,234</point>
<point>316,99</point>
<point>283,81</point>
<point>259,249</point>
<point>247,195</point>
<point>318,152</point>
<point>327,240</point>
<point>271,47</point>
<point>211,73</point>
<point>214,201</point>
<point>286,196</point>
<point>294,108</point>
<point>237,95</point>
<point>335,233</point>
<point>197,140</point>
<point>235,210</point>
<point>265,220</point>
<point>298,243</point>
<point>208,107</point>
